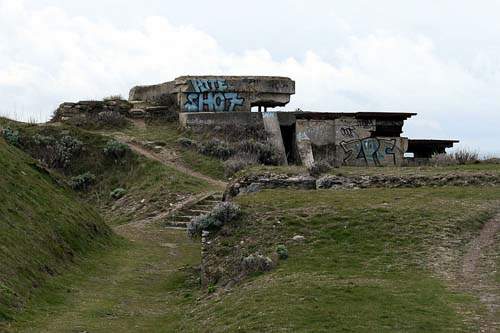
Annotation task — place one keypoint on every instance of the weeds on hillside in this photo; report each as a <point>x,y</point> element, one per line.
<point>239,162</point>
<point>55,153</point>
<point>82,182</point>
<point>11,136</point>
<point>116,149</point>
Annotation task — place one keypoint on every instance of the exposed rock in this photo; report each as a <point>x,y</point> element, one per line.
<point>253,183</point>
<point>298,238</point>
<point>257,182</point>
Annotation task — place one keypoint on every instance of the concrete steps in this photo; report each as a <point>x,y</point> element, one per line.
<point>182,217</point>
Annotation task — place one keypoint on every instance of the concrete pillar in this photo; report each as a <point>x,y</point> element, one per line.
<point>304,148</point>
<point>273,130</point>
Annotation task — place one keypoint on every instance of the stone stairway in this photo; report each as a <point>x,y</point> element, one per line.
<point>181,217</point>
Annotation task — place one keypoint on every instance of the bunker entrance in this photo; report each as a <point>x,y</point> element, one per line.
<point>289,141</point>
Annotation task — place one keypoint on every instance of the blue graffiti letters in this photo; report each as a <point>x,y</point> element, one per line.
<point>210,96</point>
<point>202,86</point>
<point>369,150</point>
<point>211,102</point>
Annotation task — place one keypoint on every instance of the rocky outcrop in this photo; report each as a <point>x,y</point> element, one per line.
<point>68,110</point>
<point>257,182</point>
<point>253,183</point>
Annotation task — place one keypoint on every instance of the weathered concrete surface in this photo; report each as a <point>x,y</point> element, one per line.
<point>272,128</point>
<point>220,93</point>
<point>209,119</point>
<point>304,149</point>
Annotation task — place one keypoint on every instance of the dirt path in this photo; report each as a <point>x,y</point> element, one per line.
<point>478,272</point>
<point>135,287</point>
<point>168,158</point>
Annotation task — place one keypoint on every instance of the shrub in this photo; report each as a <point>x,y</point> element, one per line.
<point>111,119</point>
<point>82,182</point>
<point>319,168</point>
<point>282,251</point>
<point>222,214</point>
<point>442,160</point>
<point>226,212</point>
<point>238,162</point>
<point>186,142</point>
<point>116,149</point>
<point>466,156</point>
<point>55,153</point>
<point>117,97</point>
<point>256,263</point>
<point>265,152</point>
<point>203,222</point>
<point>117,193</point>
<point>216,148</point>
<point>11,136</point>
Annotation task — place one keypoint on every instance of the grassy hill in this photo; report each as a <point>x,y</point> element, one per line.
<point>373,260</point>
<point>44,228</point>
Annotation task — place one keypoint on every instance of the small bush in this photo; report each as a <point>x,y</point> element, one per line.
<point>116,149</point>
<point>226,212</point>
<point>282,251</point>
<point>55,153</point>
<point>466,156</point>
<point>11,136</point>
<point>319,168</point>
<point>255,263</point>
<point>203,222</point>
<point>111,119</point>
<point>82,182</point>
<point>222,214</point>
<point>117,193</point>
<point>238,163</point>
<point>186,142</point>
<point>216,148</point>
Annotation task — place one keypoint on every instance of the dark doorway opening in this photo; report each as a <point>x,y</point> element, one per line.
<point>289,141</point>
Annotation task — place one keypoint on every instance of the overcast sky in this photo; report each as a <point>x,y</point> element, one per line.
<point>438,58</point>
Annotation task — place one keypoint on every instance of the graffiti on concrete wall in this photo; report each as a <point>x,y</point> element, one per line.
<point>370,151</point>
<point>211,96</point>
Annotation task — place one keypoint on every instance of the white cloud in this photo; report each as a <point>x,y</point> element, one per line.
<point>48,56</point>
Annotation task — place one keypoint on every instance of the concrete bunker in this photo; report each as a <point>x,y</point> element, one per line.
<point>298,137</point>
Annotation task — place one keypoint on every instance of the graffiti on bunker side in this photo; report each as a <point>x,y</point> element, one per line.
<point>211,96</point>
<point>370,150</point>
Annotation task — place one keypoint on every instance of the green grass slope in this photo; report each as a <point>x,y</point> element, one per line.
<point>373,260</point>
<point>44,227</point>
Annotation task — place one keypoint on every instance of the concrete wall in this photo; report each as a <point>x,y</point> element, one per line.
<point>220,93</point>
<point>197,119</point>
